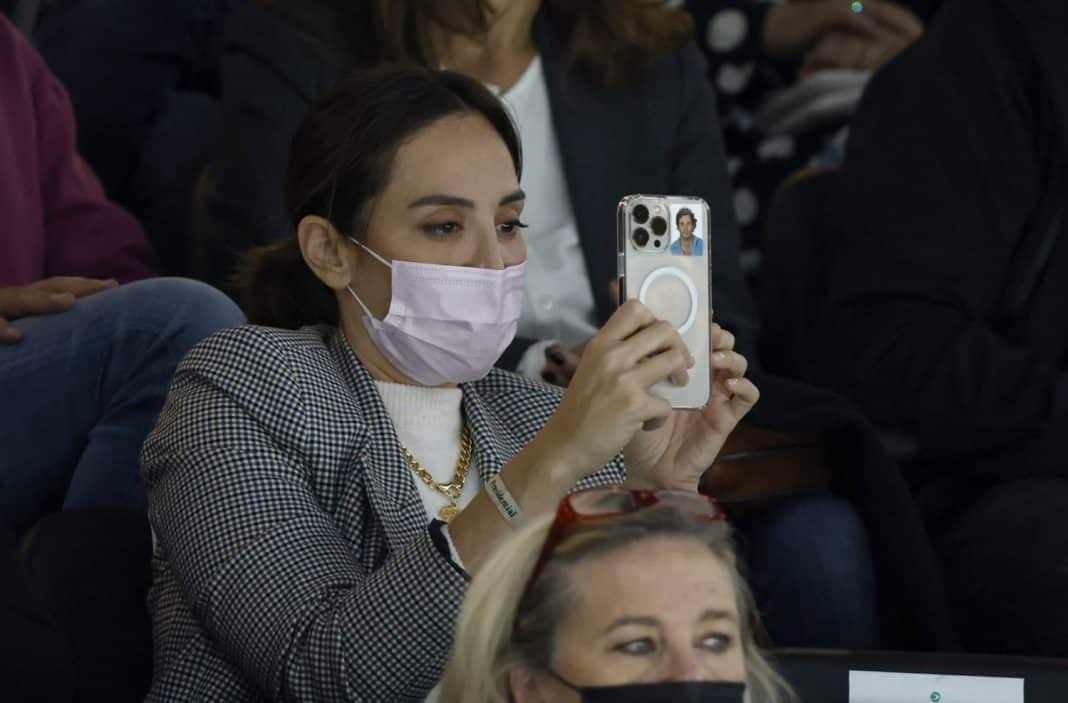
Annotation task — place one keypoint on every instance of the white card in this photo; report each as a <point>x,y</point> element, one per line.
<point>889,687</point>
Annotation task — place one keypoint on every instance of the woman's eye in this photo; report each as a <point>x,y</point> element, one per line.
<point>510,228</point>
<point>637,647</point>
<point>716,642</point>
<point>442,229</point>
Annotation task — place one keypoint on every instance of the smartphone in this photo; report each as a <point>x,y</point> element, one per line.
<point>663,263</point>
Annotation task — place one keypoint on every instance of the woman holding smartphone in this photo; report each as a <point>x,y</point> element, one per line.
<point>320,496</point>
<point>609,99</point>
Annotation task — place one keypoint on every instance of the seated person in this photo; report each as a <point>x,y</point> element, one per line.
<point>625,596</point>
<point>87,345</point>
<point>144,80</point>
<point>602,113</point>
<point>756,49</point>
<point>317,495</point>
<point>947,317</point>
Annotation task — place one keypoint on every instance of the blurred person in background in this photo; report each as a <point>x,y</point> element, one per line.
<point>947,315</point>
<point>623,596</point>
<point>758,51</point>
<point>144,81</point>
<point>88,339</point>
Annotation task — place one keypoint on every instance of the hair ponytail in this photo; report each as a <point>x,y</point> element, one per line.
<point>277,289</point>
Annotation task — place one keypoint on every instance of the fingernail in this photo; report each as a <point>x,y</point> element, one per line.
<point>732,382</point>
<point>690,361</point>
<point>112,282</point>
<point>719,356</point>
<point>60,297</point>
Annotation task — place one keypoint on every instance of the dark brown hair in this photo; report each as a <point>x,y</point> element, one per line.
<point>340,159</point>
<point>685,212</point>
<point>610,41</point>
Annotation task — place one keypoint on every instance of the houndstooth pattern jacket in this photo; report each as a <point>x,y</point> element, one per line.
<point>293,558</point>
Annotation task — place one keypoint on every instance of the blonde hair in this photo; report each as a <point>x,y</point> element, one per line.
<point>501,628</point>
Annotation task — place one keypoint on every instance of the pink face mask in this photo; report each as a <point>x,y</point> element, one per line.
<point>446,324</point>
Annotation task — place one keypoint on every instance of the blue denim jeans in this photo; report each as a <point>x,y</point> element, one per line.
<point>82,389</point>
<point>811,573</point>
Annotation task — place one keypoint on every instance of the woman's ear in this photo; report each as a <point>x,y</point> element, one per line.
<point>525,687</point>
<point>325,251</point>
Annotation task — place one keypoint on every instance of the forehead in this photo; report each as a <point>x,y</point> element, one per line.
<point>459,154</point>
<point>672,578</point>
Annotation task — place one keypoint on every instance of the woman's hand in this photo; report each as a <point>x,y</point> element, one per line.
<point>608,401</point>
<point>47,297</point>
<point>793,28</point>
<point>677,453</point>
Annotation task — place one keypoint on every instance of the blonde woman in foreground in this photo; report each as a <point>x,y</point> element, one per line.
<point>624,596</point>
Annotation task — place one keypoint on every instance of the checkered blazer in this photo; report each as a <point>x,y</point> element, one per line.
<point>293,559</point>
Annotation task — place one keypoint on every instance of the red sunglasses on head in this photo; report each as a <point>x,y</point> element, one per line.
<point>599,504</point>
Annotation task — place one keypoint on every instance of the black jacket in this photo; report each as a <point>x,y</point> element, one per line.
<point>658,135</point>
<point>933,220</point>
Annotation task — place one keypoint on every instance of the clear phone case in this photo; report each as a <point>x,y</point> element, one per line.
<point>663,262</point>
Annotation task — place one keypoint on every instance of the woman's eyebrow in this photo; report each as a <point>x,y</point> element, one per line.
<point>646,621</point>
<point>456,200</point>
<point>513,197</point>
<point>712,614</point>
<point>441,199</point>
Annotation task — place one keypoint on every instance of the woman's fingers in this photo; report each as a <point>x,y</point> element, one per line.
<point>667,365</point>
<point>628,319</point>
<point>654,339</point>
<point>729,364</point>
<point>655,413</point>
<point>722,340</point>
<point>894,18</point>
<point>744,395</point>
<point>78,286</point>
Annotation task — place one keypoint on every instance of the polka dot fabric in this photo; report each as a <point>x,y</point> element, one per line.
<point>293,558</point>
<point>730,32</point>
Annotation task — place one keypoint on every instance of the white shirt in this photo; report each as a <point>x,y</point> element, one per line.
<point>429,422</point>
<point>558,306</point>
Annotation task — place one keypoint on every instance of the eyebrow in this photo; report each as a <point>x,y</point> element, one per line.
<point>455,200</point>
<point>713,614</point>
<point>645,621</point>
<point>649,621</point>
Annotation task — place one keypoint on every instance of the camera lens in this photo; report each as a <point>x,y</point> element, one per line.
<point>640,213</point>
<point>656,243</point>
<point>659,225</point>
<point>640,236</point>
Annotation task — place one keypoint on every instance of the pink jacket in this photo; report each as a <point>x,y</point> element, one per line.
<point>55,219</point>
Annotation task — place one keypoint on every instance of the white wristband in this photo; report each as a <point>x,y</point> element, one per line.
<point>506,504</point>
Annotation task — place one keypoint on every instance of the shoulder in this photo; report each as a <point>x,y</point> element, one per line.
<point>251,357</point>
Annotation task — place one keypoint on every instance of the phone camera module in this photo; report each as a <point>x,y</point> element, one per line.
<point>658,225</point>
<point>640,213</point>
<point>640,236</point>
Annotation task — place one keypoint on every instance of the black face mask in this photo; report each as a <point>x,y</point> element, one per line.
<point>666,692</point>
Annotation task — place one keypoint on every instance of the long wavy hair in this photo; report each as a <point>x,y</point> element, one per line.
<point>610,41</point>
<point>502,628</point>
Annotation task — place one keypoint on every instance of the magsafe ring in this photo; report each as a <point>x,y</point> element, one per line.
<point>673,272</point>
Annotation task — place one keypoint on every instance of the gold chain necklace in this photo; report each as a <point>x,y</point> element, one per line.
<point>454,488</point>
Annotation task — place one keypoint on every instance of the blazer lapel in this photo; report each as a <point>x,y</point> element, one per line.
<point>494,443</point>
<point>604,142</point>
<point>391,485</point>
